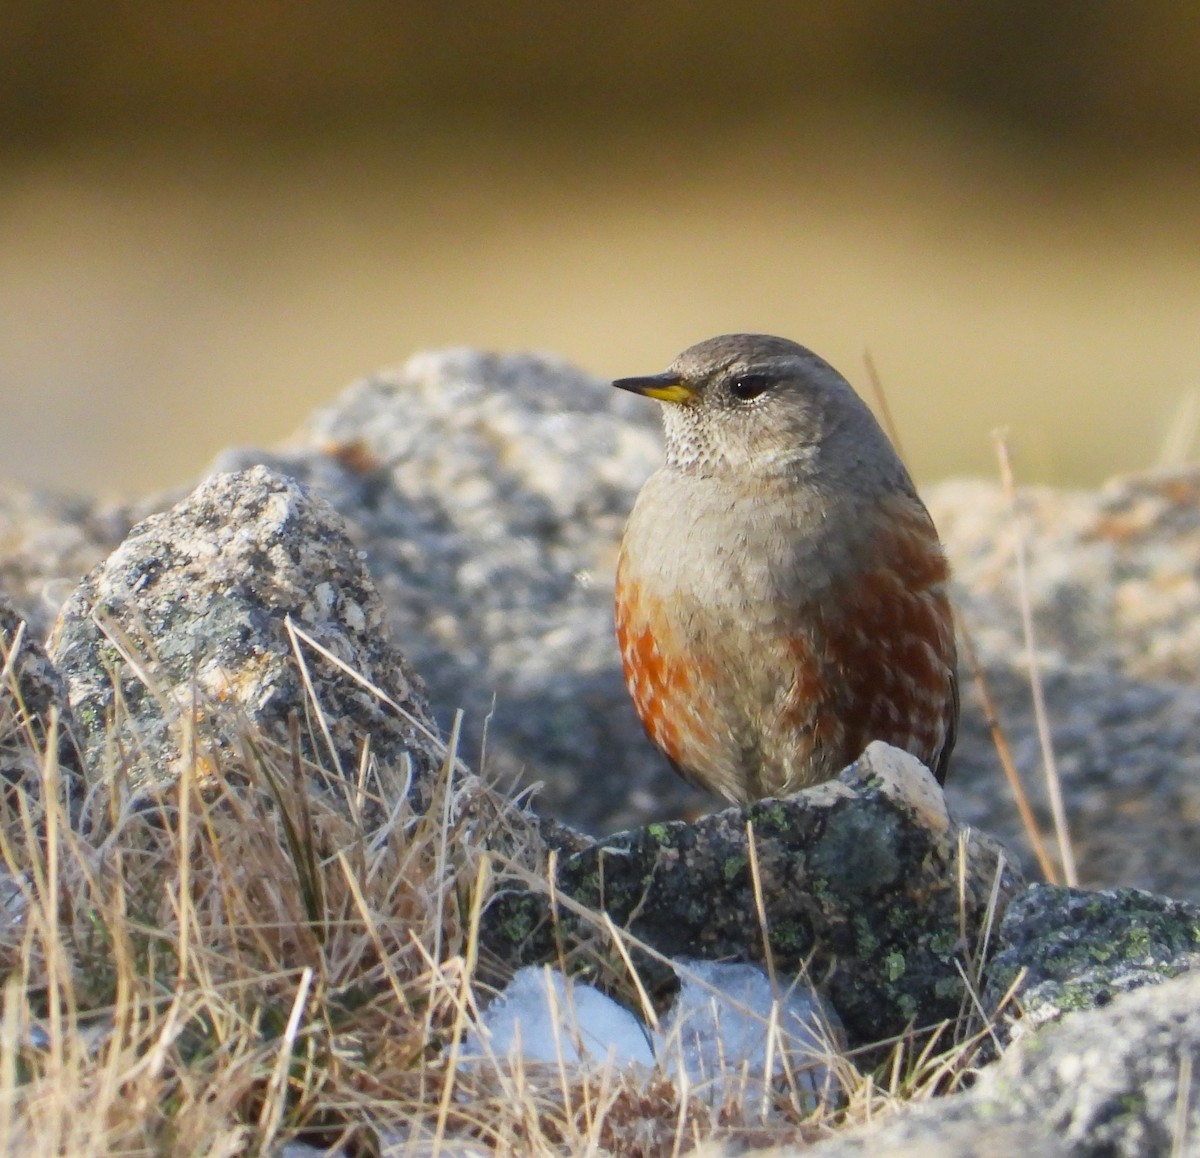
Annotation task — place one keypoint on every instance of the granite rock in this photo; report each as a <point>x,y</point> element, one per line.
<point>1116,1082</point>
<point>1064,950</point>
<point>201,608</point>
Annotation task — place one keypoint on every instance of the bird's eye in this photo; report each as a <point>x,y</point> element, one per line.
<point>749,386</point>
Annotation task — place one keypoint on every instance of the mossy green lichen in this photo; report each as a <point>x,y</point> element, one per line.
<point>944,944</point>
<point>793,938</point>
<point>948,988</point>
<point>733,867</point>
<point>866,941</point>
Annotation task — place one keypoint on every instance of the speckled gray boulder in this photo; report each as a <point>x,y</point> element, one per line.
<point>192,611</point>
<point>1066,949</point>
<point>489,492</point>
<point>1114,588</point>
<point>1118,1082</point>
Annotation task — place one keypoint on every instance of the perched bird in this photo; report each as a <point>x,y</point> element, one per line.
<point>781,596</point>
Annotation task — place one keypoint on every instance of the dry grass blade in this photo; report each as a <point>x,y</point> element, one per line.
<point>1029,821</point>
<point>1066,851</point>
<point>1179,443</point>
<point>760,904</point>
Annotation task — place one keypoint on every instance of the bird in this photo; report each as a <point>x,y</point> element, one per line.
<point>781,591</point>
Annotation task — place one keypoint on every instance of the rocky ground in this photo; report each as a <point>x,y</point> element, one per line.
<point>456,522</point>
<point>488,492</point>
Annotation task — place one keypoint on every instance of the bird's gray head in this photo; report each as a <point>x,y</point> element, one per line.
<point>751,402</point>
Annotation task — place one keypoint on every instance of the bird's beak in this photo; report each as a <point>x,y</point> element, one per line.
<point>666,387</point>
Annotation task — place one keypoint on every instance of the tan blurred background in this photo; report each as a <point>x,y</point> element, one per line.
<point>214,215</point>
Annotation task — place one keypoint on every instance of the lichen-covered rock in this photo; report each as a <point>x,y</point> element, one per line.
<point>865,880</point>
<point>193,610</point>
<point>1072,950</point>
<point>1116,1082</point>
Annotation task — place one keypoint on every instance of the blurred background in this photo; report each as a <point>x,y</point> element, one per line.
<point>214,215</point>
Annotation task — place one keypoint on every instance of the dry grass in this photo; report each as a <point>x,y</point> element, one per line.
<point>243,963</point>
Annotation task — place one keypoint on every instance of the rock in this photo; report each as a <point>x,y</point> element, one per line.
<point>1111,574</point>
<point>1129,764</point>
<point>192,611</point>
<point>945,1129</point>
<point>488,493</point>
<point>1115,596</point>
<point>50,542</point>
<point>860,883</point>
<point>1117,1082</point>
<point>1078,950</point>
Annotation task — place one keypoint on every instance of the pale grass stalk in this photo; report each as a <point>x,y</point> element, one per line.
<point>1179,442</point>
<point>1029,821</point>
<point>1009,996</point>
<point>989,921</point>
<point>562,1021</point>
<point>774,1046</point>
<point>235,902</point>
<point>1183,1090</point>
<point>972,994</point>
<point>10,1047</point>
<point>372,927</point>
<point>299,633</point>
<point>683,1084</point>
<point>881,401</point>
<point>57,968</point>
<point>618,942</point>
<point>310,693</point>
<point>187,780</point>
<point>999,740</point>
<point>760,905</point>
<point>602,922</point>
<point>272,1111</point>
<point>445,781</point>
<point>1049,765</point>
<point>960,875</point>
<point>11,649</point>
<point>186,932</point>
